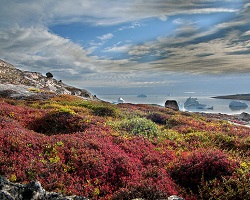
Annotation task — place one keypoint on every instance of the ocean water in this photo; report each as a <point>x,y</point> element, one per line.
<point>219,105</point>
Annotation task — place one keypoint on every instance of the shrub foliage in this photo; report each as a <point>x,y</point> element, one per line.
<point>124,151</point>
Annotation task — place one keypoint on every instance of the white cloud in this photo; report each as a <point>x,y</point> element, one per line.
<point>39,49</point>
<point>247,33</point>
<point>117,49</point>
<point>132,26</point>
<point>163,18</point>
<point>212,10</point>
<point>97,12</point>
<point>215,56</point>
<point>181,21</point>
<point>106,36</point>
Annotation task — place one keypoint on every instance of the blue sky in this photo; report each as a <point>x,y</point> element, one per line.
<point>132,46</point>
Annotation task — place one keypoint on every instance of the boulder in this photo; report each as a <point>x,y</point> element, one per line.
<point>49,75</point>
<point>172,104</point>
<point>245,117</point>
<point>31,191</point>
<point>174,197</point>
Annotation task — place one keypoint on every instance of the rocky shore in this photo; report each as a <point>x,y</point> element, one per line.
<point>242,119</point>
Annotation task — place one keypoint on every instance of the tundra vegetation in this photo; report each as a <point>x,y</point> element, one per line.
<point>125,151</point>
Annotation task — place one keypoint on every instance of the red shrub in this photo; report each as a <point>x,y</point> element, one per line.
<point>59,122</point>
<point>23,114</point>
<point>92,164</point>
<point>65,123</point>
<point>89,160</point>
<point>201,165</point>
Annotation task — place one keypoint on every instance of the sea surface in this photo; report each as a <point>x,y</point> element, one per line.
<point>219,105</point>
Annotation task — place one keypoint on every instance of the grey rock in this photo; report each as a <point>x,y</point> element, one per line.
<point>245,117</point>
<point>31,191</point>
<point>174,197</point>
<point>4,195</point>
<point>172,104</point>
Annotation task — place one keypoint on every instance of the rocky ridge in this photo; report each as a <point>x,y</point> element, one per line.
<point>20,84</point>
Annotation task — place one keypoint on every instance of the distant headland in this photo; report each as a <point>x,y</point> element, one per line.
<point>245,97</point>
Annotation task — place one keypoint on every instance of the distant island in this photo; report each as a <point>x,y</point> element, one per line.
<point>142,96</point>
<point>245,97</point>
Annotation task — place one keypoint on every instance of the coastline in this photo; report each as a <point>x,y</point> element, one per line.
<point>236,119</point>
<point>244,97</point>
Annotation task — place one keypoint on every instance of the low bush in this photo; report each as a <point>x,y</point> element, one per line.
<point>138,126</point>
<point>105,111</point>
<point>229,188</point>
<point>158,117</point>
<point>201,165</point>
<point>173,122</point>
<point>57,122</point>
<point>104,151</point>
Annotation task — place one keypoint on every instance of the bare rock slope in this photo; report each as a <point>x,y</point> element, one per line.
<point>20,84</point>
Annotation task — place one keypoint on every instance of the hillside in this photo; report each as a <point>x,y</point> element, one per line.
<point>73,145</point>
<point>24,84</point>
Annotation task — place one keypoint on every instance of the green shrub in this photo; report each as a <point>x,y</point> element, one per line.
<point>225,141</point>
<point>235,187</point>
<point>104,111</point>
<point>172,122</point>
<point>158,117</point>
<point>138,126</point>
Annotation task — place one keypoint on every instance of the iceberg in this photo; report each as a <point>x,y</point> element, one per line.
<point>192,103</point>
<point>236,105</point>
<point>120,100</point>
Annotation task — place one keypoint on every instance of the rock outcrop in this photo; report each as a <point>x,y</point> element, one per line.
<point>172,104</point>
<point>20,84</point>
<point>31,191</point>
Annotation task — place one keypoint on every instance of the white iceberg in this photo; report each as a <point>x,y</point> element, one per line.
<point>237,105</point>
<point>192,103</point>
<point>120,100</point>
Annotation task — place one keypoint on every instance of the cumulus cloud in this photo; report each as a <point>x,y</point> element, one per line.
<point>36,49</point>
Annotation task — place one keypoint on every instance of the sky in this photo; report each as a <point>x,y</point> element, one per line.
<point>132,46</point>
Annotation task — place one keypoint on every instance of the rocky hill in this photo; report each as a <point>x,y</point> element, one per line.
<point>20,84</point>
